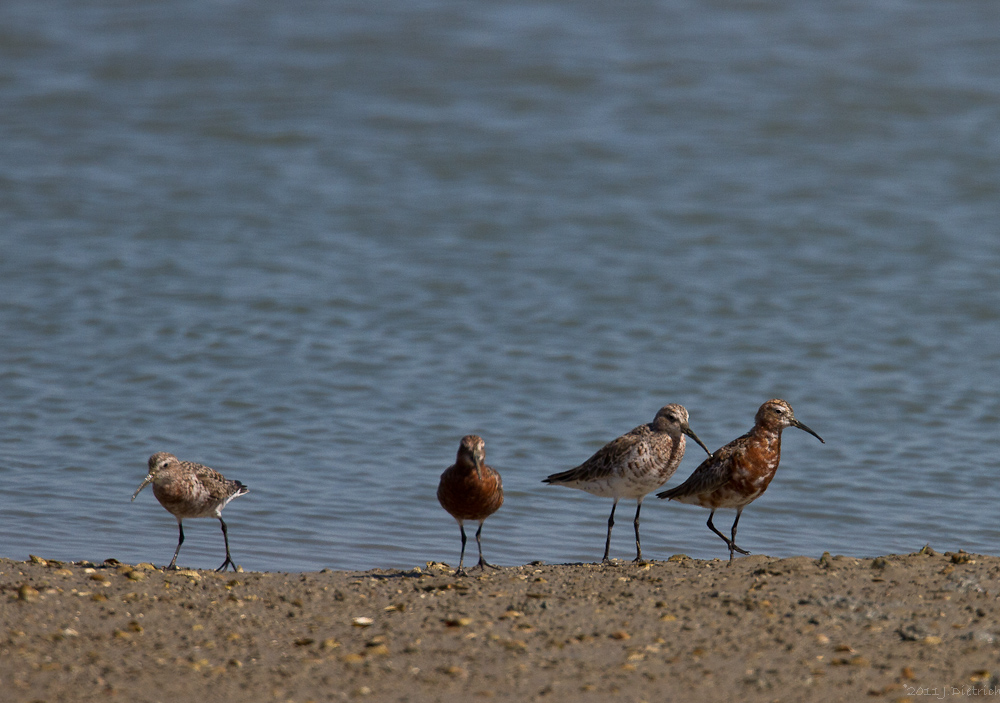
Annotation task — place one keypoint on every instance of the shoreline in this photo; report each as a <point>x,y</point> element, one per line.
<point>894,627</point>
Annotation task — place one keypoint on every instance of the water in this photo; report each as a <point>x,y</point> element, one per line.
<point>313,244</point>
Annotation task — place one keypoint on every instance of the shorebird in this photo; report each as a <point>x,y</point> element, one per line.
<point>470,490</point>
<point>189,490</point>
<point>738,474</point>
<point>633,465</point>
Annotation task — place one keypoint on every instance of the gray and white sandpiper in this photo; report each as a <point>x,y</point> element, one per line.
<point>631,466</point>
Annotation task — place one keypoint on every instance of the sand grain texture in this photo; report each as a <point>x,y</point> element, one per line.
<point>763,629</point>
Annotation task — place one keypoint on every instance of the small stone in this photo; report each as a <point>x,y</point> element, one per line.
<point>27,594</point>
<point>620,635</point>
<point>362,622</point>
<point>37,560</point>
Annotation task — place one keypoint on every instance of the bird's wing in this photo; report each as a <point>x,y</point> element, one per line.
<point>711,474</point>
<point>630,447</point>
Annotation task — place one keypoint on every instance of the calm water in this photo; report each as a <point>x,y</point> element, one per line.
<point>313,244</point>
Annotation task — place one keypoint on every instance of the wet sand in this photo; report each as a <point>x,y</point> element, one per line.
<point>900,627</point>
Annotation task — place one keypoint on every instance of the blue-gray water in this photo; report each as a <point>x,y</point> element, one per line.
<point>314,244</point>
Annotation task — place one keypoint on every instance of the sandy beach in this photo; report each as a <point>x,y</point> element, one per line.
<point>899,627</point>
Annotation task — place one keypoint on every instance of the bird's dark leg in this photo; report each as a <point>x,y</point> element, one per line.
<point>611,523</point>
<point>729,542</point>
<point>482,562</point>
<point>725,539</point>
<point>180,541</point>
<point>638,546</point>
<point>229,559</point>
<point>461,558</point>
<point>733,541</point>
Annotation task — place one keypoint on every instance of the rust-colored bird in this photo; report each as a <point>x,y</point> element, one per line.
<point>631,466</point>
<point>470,490</point>
<point>189,490</point>
<point>738,474</point>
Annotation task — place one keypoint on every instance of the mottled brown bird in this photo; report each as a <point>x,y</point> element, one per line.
<point>738,474</point>
<point>633,465</point>
<point>189,490</point>
<point>470,490</point>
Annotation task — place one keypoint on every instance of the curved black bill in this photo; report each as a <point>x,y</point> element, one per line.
<point>690,433</point>
<point>801,426</point>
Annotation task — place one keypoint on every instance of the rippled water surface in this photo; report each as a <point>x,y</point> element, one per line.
<point>314,244</point>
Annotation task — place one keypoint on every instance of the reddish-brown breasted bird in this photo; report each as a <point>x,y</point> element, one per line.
<point>189,490</point>
<point>470,490</point>
<point>738,474</point>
